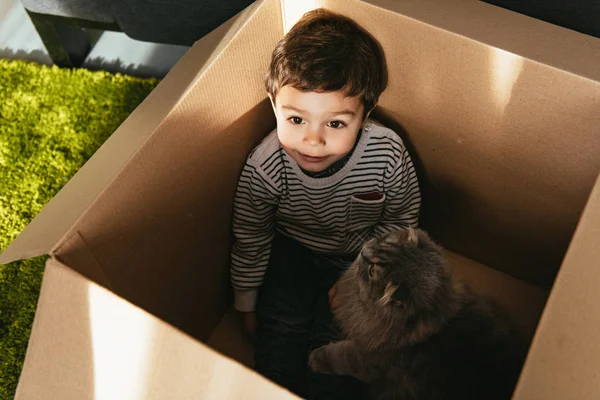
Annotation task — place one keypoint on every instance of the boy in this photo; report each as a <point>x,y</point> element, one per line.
<point>312,192</point>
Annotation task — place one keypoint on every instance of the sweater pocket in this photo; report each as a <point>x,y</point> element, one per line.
<point>365,210</point>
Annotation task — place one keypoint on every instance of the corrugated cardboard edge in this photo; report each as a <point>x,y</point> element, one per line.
<point>563,359</point>
<point>58,218</point>
<point>87,343</point>
<point>536,40</point>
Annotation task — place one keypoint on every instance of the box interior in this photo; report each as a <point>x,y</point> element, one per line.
<point>505,143</point>
<point>505,149</point>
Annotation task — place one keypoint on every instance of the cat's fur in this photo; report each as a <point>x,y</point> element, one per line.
<point>415,332</point>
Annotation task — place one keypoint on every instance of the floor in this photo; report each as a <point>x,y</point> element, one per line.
<point>114,51</point>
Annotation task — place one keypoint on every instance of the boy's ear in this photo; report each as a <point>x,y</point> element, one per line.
<point>368,114</point>
<point>272,103</point>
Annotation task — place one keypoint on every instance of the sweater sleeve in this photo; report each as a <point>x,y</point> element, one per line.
<point>403,197</point>
<point>253,227</point>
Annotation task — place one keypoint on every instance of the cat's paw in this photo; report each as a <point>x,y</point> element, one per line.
<point>318,361</point>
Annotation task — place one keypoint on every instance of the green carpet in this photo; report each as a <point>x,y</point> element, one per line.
<point>51,121</point>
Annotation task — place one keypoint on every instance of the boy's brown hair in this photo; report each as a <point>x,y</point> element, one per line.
<point>324,52</point>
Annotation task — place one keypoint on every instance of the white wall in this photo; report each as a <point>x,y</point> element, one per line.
<point>114,51</point>
<point>18,37</point>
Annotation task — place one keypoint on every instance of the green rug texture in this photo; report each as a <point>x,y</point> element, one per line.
<point>52,121</point>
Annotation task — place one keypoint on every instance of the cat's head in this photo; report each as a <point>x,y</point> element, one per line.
<point>402,271</point>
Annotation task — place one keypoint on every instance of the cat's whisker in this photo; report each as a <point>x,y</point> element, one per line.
<point>361,238</point>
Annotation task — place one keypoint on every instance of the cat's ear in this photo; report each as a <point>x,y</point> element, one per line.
<point>388,292</point>
<point>375,271</point>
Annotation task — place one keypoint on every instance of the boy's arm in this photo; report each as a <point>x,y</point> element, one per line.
<point>403,197</point>
<point>253,227</point>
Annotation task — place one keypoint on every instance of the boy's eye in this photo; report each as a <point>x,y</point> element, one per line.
<point>295,120</point>
<point>336,124</point>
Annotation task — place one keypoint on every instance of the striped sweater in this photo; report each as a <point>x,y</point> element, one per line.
<point>375,192</point>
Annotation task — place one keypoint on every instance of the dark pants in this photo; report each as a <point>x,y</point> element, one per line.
<point>294,317</point>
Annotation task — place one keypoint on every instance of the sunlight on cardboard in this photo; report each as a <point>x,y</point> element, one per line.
<point>428,84</point>
<point>505,69</point>
<point>294,10</point>
<point>122,343</point>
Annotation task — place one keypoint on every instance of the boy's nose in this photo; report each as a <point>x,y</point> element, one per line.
<point>313,137</point>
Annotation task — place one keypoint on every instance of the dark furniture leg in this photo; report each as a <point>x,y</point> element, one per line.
<point>49,35</point>
<point>66,39</point>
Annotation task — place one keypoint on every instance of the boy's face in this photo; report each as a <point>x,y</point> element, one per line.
<point>317,129</point>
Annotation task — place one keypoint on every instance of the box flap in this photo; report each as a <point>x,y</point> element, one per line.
<point>87,343</point>
<point>502,126</point>
<point>564,359</point>
<point>516,33</point>
<point>62,212</point>
<point>158,234</point>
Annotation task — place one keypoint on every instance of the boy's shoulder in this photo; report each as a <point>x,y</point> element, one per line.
<point>265,150</point>
<point>377,133</point>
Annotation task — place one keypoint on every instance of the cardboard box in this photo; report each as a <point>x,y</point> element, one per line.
<point>501,113</point>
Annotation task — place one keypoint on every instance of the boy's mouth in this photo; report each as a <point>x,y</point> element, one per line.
<point>311,159</point>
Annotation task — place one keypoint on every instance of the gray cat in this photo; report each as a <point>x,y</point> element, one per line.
<point>415,332</point>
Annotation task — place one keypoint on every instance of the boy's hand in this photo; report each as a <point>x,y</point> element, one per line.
<point>249,324</point>
<point>332,297</point>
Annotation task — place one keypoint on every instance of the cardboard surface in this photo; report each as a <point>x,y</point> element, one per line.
<point>497,27</point>
<point>523,303</point>
<point>501,115</point>
<point>61,213</point>
<point>87,343</point>
<point>507,148</point>
<point>564,359</point>
<point>229,340</point>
